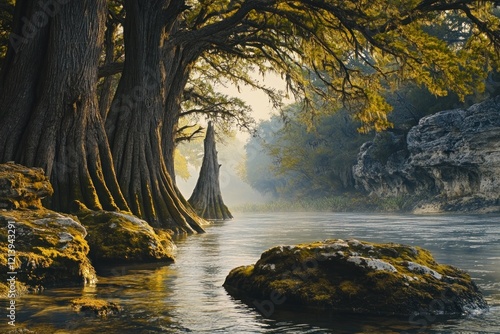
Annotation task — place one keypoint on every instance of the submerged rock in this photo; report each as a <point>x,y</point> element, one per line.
<point>355,277</point>
<point>116,237</point>
<point>97,307</point>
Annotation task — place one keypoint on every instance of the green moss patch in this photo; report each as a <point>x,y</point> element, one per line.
<point>116,237</point>
<point>46,249</point>
<point>97,307</point>
<point>22,187</point>
<point>351,276</point>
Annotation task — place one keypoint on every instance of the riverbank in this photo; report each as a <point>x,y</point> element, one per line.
<point>358,203</point>
<point>345,203</point>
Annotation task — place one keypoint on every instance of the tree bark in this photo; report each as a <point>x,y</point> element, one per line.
<point>177,66</point>
<point>106,91</point>
<point>136,119</point>
<point>207,198</point>
<point>49,114</point>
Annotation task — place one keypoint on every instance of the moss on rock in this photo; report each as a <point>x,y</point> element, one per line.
<point>22,187</point>
<point>357,277</point>
<point>97,307</point>
<point>45,248</point>
<point>117,237</point>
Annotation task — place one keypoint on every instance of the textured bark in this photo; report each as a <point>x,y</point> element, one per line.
<point>49,113</point>
<point>207,198</point>
<point>106,93</point>
<point>177,63</point>
<point>136,119</point>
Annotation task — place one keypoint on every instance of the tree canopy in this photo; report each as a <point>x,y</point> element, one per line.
<point>356,48</point>
<point>296,159</point>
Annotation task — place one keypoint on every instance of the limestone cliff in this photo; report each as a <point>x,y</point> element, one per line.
<point>451,159</point>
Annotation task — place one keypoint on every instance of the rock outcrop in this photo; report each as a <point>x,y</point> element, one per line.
<point>451,158</point>
<point>43,247</point>
<point>355,277</point>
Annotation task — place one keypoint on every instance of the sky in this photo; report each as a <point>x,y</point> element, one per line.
<point>262,109</point>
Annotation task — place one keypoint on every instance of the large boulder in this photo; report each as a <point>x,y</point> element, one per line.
<point>44,248</point>
<point>355,277</point>
<point>118,237</point>
<point>451,158</point>
<point>38,247</point>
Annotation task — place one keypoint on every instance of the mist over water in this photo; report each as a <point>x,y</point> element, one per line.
<point>235,191</point>
<point>188,296</point>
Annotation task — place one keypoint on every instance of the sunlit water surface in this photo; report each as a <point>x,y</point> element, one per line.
<point>188,297</point>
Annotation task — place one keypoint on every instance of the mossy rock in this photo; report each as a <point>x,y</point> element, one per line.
<point>22,187</point>
<point>49,249</point>
<point>97,307</point>
<point>117,237</point>
<point>355,277</point>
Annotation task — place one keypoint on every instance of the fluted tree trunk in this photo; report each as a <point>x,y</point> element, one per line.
<point>207,198</point>
<point>135,122</point>
<point>49,115</point>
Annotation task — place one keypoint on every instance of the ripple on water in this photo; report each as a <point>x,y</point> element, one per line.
<point>187,296</point>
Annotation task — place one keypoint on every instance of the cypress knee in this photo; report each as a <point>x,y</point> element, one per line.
<point>207,198</point>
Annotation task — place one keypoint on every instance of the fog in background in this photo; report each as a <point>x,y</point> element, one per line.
<point>234,190</point>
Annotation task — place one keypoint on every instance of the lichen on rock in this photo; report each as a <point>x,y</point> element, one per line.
<point>356,277</point>
<point>22,187</point>
<point>42,247</point>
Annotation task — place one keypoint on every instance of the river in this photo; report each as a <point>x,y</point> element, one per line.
<point>188,297</point>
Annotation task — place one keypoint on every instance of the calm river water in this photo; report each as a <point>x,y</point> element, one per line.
<point>188,297</point>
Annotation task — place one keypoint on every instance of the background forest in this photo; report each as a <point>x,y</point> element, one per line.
<point>142,77</point>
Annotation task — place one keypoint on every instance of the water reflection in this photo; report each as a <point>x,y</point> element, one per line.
<point>187,296</point>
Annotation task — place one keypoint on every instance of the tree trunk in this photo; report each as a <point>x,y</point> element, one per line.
<point>106,89</point>
<point>207,198</point>
<point>136,119</point>
<point>177,66</point>
<point>49,113</point>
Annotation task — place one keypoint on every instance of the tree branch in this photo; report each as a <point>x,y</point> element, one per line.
<point>110,69</point>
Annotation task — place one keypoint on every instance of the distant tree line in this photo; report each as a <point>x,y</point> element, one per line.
<point>293,158</point>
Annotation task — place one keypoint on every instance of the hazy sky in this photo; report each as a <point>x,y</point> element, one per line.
<point>258,100</point>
